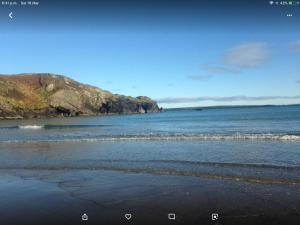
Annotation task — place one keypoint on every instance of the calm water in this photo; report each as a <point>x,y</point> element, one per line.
<point>259,144</point>
<point>283,120</point>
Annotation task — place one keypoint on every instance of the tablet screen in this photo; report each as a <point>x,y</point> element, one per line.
<point>149,112</point>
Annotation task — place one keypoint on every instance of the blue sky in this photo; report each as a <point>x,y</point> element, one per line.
<point>190,59</point>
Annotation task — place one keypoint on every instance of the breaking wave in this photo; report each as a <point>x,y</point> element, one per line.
<point>50,126</point>
<point>156,137</point>
<point>200,137</point>
<point>283,137</point>
<point>32,127</point>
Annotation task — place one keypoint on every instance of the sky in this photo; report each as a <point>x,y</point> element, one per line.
<point>180,53</point>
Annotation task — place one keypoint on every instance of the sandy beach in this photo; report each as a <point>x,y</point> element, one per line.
<point>61,197</point>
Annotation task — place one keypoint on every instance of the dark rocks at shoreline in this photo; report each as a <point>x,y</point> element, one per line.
<point>50,95</point>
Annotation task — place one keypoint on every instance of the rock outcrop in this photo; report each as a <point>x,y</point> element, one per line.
<point>50,95</point>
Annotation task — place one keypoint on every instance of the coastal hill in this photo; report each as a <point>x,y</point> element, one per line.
<point>50,95</point>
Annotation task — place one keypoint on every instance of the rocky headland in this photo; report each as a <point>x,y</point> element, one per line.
<point>50,95</point>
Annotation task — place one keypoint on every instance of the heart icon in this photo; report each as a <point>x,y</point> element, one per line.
<point>128,216</point>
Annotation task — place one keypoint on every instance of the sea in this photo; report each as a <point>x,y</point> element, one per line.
<point>240,162</point>
<point>260,143</point>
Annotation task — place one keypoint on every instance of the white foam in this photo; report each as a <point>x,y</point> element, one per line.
<point>200,137</point>
<point>31,127</point>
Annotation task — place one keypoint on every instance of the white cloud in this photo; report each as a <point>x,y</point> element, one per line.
<point>247,55</point>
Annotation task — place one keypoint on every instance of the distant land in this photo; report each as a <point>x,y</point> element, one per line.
<point>49,95</point>
<point>199,108</point>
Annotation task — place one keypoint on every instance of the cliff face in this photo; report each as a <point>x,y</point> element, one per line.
<point>39,95</point>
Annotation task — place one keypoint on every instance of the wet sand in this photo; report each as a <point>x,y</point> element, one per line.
<point>47,197</point>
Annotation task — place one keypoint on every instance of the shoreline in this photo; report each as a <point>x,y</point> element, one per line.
<point>74,116</point>
<point>162,173</point>
<point>106,195</point>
